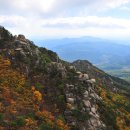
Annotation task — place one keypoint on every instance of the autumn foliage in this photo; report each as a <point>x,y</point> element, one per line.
<point>20,104</point>
<point>50,120</point>
<point>119,105</point>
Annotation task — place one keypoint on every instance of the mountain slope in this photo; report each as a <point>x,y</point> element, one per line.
<point>106,79</point>
<point>39,91</point>
<point>104,54</point>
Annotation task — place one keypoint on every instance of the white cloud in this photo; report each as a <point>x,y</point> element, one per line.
<point>12,20</point>
<point>62,18</point>
<point>125,8</point>
<point>91,4</point>
<point>56,7</point>
<point>89,21</point>
<point>68,26</point>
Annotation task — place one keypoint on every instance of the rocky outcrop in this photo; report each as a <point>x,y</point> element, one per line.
<point>109,81</point>
<point>88,98</point>
<point>57,69</point>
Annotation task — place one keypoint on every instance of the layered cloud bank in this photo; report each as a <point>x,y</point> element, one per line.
<point>65,18</point>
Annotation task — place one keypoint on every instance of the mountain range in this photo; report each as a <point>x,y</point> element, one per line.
<point>105,54</point>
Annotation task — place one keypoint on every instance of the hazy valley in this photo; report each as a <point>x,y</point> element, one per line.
<point>107,55</point>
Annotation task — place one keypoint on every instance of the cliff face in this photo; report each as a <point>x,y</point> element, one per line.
<point>51,94</point>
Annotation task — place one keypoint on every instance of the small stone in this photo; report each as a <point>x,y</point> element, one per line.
<point>86,94</point>
<point>93,110</point>
<point>72,68</point>
<point>70,100</point>
<point>93,80</point>
<point>86,76</point>
<point>69,95</point>
<point>78,72</point>
<point>18,49</point>
<point>87,103</point>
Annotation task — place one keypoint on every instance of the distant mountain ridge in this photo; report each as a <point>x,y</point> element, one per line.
<point>106,55</point>
<point>103,53</point>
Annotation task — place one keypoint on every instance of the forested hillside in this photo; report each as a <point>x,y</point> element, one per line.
<point>39,91</point>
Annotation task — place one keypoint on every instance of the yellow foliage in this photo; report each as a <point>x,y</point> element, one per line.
<point>14,92</point>
<point>8,76</point>
<point>38,95</point>
<point>46,116</point>
<point>50,120</point>
<point>127,128</point>
<point>33,88</point>
<point>61,125</point>
<point>30,122</point>
<point>18,99</point>
<point>4,63</point>
<point>120,123</point>
<point>102,93</point>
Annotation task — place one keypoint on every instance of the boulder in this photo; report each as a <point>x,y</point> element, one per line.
<point>78,72</point>
<point>80,76</point>
<point>70,86</point>
<point>93,110</point>
<point>18,49</point>
<point>69,95</point>
<point>21,37</point>
<point>83,77</point>
<point>72,67</point>
<point>86,76</point>
<point>93,95</point>
<point>87,103</point>
<point>71,100</point>
<point>90,89</point>
<point>94,122</point>
<point>23,43</point>
<point>93,80</point>
<point>86,94</point>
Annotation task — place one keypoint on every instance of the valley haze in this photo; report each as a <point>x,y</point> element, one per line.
<point>108,55</point>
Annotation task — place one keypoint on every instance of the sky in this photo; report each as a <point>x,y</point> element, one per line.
<point>45,19</point>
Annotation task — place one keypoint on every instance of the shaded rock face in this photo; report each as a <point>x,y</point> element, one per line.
<point>21,37</point>
<point>5,34</point>
<point>21,50</point>
<point>88,112</point>
<point>57,69</point>
<point>96,74</point>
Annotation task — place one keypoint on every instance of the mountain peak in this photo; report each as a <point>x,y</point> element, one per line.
<point>5,34</point>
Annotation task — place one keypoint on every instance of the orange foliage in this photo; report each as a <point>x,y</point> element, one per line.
<point>120,123</point>
<point>30,122</point>
<point>46,116</point>
<point>102,93</point>
<point>8,76</point>
<point>18,99</point>
<point>50,120</point>
<point>4,63</point>
<point>61,125</point>
<point>37,94</point>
